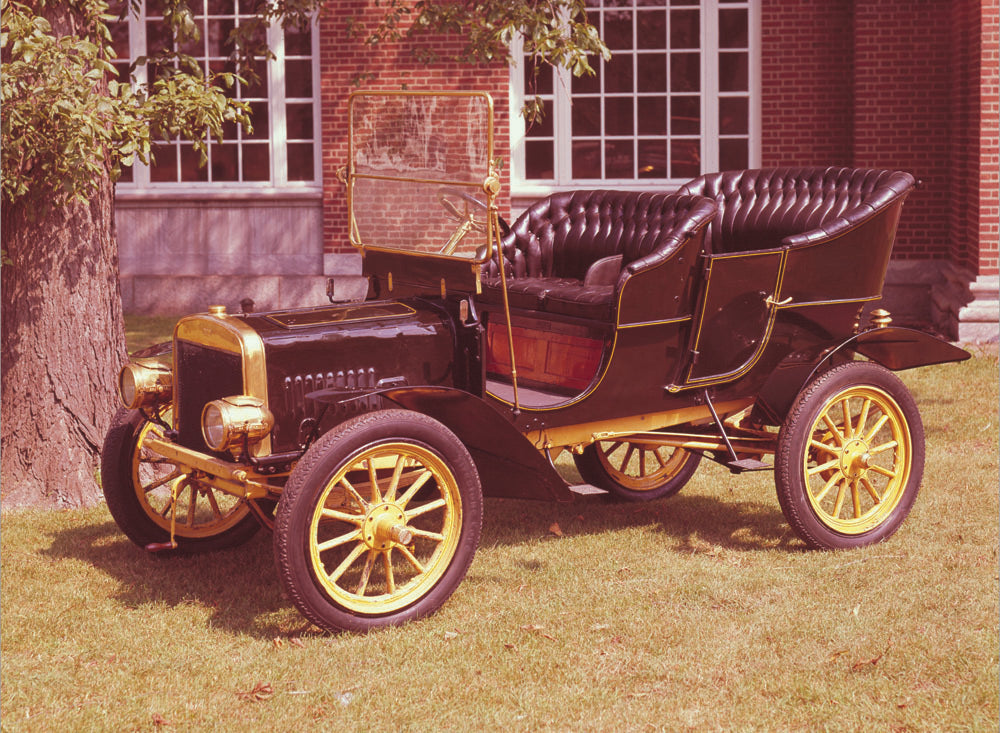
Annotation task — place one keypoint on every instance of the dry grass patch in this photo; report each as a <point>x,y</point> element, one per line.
<point>702,612</point>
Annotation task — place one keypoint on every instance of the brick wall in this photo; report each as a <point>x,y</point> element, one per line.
<point>806,66</point>
<point>989,159</point>
<point>895,84</point>
<point>387,67</point>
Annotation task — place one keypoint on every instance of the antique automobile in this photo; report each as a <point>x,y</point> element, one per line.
<point>638,331</point>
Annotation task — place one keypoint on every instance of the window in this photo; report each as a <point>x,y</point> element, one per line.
<point>678,98</point>
<point>282,151</point>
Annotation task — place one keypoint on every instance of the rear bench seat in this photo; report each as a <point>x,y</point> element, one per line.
<point>571,252</point>
<point>784,207</point>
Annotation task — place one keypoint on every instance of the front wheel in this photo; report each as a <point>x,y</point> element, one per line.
<point>850,457</point>
<point>379,522</point>
<point>145,491</point>
<point>635,471</point>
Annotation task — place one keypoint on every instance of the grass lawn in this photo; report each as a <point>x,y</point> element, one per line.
<point>701,612</point>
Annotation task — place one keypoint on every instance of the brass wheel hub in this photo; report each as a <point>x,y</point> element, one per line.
<point>385,527</point>
<point>855,459</point>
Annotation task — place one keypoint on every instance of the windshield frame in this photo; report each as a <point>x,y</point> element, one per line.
<point>489,187</point>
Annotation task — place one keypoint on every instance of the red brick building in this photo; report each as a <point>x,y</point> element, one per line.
<point>693,86</point>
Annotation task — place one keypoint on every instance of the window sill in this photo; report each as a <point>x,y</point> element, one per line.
<point>215,196</point>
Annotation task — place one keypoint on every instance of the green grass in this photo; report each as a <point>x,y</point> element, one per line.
<point>143,331</point>
<point>702,612</point>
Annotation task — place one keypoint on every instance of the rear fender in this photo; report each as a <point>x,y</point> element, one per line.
<point>509,465</point>
<point>894,348</point>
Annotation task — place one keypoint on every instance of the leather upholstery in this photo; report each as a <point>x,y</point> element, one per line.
<point>761,209</point>
<point>552,245</point>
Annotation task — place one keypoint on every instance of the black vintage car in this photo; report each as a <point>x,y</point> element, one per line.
<point>641,332</point>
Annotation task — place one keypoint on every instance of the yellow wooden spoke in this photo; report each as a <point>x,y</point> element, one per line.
<point>414,488</point>
<point>425,508</point>
<point>833,428</point>
<point>357,552</point>
<point>829,485</point>
<point>614,446</point>
<point>813,443</point>
<point>362,504</point>
<point>883,447</point>
<point>410,558</point>
<point>397,472</point>
<point>366,573</point>
<point>373,480</point>
<point>390,579</point>
<point>338,541</point>
<point>356,519</point>
<point>822,467</point>
<point>845,405</point>
<point>192,504</point>
<point>856,497</point>
<point>427,535</point>
<point>870,436</point>
<point>871,490</point>
<point>157,484</point>
<point>883,471</point>
<point>213,503</point>
<point>863,416</point>
<point>841,495</point>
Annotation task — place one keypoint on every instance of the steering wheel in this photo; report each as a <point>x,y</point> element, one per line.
<point>471,214</point>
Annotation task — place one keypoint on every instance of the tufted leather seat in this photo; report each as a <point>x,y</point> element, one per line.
<point>561,255</point>
<point>761,209</point>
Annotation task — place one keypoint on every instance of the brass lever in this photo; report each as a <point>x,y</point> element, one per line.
<point>769,300</point>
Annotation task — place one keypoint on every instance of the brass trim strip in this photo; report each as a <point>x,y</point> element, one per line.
<point>664,322</point>
<point>478,185</point>
<point>587,433</point>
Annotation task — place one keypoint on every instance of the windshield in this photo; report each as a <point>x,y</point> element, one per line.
<point>419,162</point>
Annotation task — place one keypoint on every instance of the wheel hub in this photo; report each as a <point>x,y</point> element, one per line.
<point>385,526</point>
<point>855,459</point>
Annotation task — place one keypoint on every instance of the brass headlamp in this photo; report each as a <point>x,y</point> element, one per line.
<point>144,384</point>
<point>227,422</point>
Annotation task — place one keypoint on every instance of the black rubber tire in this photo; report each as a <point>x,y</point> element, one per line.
<point>138,519</point>
<point>593,470</point>
<point>848,458</point>
<point>314,479</point>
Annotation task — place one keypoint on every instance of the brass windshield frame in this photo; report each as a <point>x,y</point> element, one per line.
<point>489,186</point>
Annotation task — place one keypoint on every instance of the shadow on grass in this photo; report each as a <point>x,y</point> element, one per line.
<point>734,525</point>
<point>241,590</point>
<point>239,587</point>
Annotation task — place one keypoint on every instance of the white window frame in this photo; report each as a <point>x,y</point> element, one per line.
<point>141,186</point>
<point>561,113</point>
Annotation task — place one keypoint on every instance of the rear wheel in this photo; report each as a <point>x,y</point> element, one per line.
<point>144,491</point>
<point>850,457</point>
<point>379,522</point>
<point>636,471</point>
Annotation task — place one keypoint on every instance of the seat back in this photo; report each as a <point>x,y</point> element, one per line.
<point>760,209</point>
<point>563,234</point>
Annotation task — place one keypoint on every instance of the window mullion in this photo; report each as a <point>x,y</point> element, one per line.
<point>563,120</point>
<point>137,48</point>
<point>710,85</point>
<point>276,108</point>
<point>755,85</point>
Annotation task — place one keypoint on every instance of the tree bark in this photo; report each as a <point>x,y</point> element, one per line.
<point>63,342</point>
<point>63,338</point>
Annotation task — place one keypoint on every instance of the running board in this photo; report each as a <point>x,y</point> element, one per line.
<point>748,464</point>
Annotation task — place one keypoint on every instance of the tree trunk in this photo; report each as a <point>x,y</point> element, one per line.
<point>62,345</point>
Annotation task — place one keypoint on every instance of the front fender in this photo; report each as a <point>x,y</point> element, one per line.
<point>509,466</point>
<point>895,348</point>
